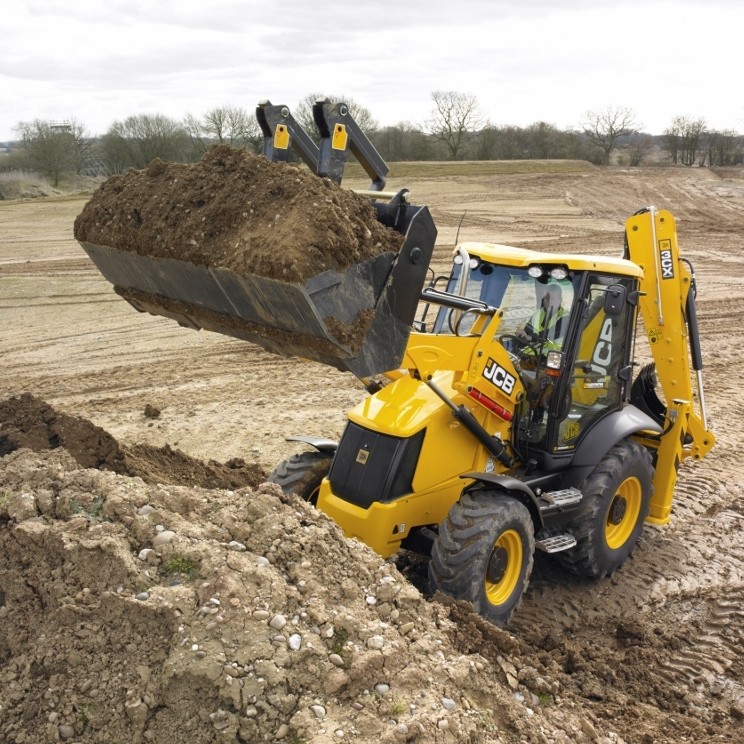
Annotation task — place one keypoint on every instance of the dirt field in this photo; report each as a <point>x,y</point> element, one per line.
<point>102,642</point>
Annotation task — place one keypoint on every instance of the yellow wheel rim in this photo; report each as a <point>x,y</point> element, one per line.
<point>504,567</point>
<point>622,516</point>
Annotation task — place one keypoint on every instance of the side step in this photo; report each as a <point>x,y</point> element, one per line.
<point>564,497</point>
<point>556,543</point>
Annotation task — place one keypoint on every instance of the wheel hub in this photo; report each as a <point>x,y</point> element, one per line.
<point>617,510</point>
<point>497,565</point>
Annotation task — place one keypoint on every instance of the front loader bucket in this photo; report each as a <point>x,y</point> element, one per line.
<point>356,320</point>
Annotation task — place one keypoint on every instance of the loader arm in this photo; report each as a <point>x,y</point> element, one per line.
<point>339,135</point>
<point>667,308</point>
<point>283,133</point>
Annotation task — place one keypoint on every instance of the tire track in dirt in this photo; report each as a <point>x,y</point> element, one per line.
<point>685,580</point>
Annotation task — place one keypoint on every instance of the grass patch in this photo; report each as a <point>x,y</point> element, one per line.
<point>21,184</point>
<point>339,641</point>
<point>180,566</point>
<point>85,714</point>
<point>93,512</point>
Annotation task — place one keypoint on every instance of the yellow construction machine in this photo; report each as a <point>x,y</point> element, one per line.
<point>506,409</point>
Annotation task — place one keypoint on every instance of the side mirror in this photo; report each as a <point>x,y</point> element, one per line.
<point>615,298</point>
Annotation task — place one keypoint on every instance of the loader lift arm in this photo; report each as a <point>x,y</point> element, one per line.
<point>667,307</point>
<point>339,136</point>
<point>281,131</point>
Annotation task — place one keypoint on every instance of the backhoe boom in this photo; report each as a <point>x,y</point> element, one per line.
<point>667,307</point>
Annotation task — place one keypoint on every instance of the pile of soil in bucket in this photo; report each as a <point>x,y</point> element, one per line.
<point>237,211</point>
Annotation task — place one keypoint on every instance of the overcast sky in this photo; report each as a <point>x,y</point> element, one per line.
<point>99,61</point>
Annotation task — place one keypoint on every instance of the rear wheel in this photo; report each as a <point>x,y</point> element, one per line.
<point>617,495</point>
<point>483,554</point>
<point>302,474</point>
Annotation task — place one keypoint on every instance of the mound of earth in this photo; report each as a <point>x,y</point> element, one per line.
<point>26,421</point>
<point>144,612</point>
<point>132,612</point>
<point>238,211</point>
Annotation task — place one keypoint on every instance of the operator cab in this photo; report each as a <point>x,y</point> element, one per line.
<point>568,335</point>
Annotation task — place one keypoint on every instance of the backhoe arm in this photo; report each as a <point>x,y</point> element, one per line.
<point>667,307</point>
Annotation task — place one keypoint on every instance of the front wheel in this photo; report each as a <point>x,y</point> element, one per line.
<point>302,474</point>
<point>484,553</point>
<point>617,496</point>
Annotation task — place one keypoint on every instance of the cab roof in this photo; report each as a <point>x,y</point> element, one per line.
<point>523,257</point>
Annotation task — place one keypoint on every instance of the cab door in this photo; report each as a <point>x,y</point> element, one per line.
<point>597,377</point>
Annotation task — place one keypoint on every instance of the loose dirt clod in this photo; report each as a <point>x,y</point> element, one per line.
<point>237,211</point>
<point>28,422</point>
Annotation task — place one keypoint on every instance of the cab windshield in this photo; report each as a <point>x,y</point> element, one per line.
<point>529,304</point>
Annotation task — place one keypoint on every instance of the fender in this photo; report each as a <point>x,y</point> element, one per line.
<point>605,435</point>
<point>512,487</point>
<point>609,431</point>
<point>320,444</point>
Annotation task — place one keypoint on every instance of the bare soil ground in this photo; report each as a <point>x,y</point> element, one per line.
<point>145,607</point>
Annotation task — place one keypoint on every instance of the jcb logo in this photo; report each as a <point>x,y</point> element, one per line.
<point>602,356</point>
<point>667,264</point>
<point>499,377</point>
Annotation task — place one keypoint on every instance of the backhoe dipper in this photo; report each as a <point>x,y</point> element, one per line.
<point>504,423</point>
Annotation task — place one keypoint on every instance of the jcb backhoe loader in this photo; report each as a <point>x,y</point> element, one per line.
<point>510,420</point>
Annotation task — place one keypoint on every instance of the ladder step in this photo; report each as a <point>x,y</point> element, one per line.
<point>556,543</point>
<point>564,497</point>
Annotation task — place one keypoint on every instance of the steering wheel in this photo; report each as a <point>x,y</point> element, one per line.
<point>521,343</point>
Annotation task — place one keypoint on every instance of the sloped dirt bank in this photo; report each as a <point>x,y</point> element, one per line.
<point>26,421</point>
<point>131,612</point>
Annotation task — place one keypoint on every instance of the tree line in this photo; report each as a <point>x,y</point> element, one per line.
<point>456,130</point>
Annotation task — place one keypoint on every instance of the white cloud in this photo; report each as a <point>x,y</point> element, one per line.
<point>100,61</point>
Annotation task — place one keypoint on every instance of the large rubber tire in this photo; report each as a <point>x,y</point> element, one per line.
<point>484,553</point>
<point>617,495</point>
<point>302,474</point>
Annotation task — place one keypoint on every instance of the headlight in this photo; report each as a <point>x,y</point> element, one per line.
<point>554,360</point>
<point>558,273</point>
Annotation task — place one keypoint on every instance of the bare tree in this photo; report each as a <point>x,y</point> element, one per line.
<point>455,117</point>
<point>604,128</point>
<point>500,143</point>
<point>683,139</point>
<point>403,141</point>
<point>544,140</point>
<point>224,125</point>
<point>672,139</point>
<point>303,112</point>
<point>139,139</point>
<point>54,148</point>
<point>725,148</point>
<point>639,149</point>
